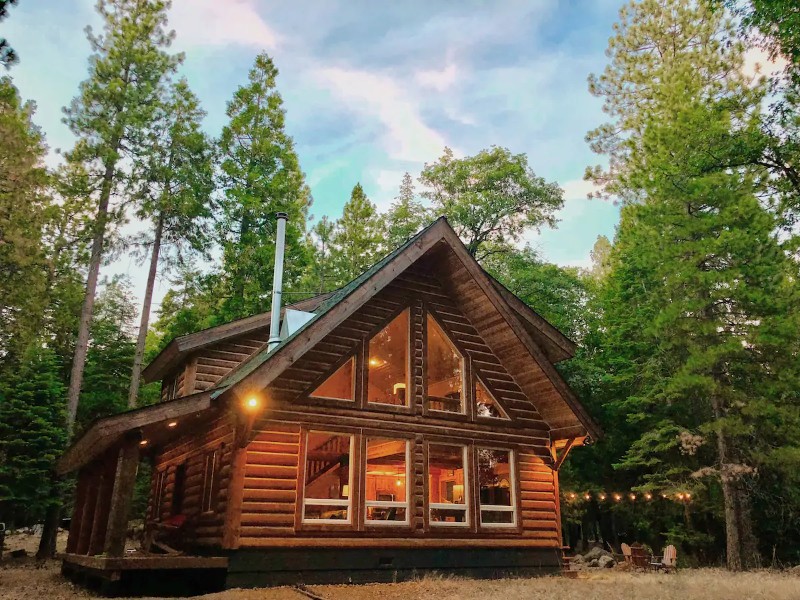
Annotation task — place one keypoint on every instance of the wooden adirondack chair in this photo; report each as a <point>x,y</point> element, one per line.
<point>668,562</point>
<point>626,553</point>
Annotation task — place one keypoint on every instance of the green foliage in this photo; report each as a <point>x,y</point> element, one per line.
<point>8,56</point>
<point>406,215</point>
<point>32,433</point>
<point>174,176</point>
<point>358,237</point>
<point>260,176</point>
<point>24,214</point>
<point>110,357</point>
<point>491,198</point>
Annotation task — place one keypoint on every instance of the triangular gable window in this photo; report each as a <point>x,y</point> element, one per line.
<point>485,404</point>
<point>445,371</point>
<point>340,385</point>
<point>387,378</point>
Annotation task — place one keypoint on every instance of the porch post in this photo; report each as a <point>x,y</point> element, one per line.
<point>84,534</point>
<point>105,483</point>
<point>122,496</point>
<point>81,492</point>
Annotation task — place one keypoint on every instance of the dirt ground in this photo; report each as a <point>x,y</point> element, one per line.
<point>25,580</point>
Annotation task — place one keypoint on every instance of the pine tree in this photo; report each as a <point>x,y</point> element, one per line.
<point>32,434</point>
<point>24,208</point>
<point>358,239</point>
<point>260,176</point>
<point>113,109</point>
<point>175,180</point>
<point>406,216</point>
<point>110,356</point>
<point>8,55</point>
<point>701,297</point>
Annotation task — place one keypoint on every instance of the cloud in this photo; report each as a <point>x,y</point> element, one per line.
<point>406,136</point>
<point>199,23</point>
<point>439,80</point>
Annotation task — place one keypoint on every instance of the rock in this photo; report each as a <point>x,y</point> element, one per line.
<point>606,562</point>
<point>594,563</point>
<point>596,553</point>
<point>578,559</point>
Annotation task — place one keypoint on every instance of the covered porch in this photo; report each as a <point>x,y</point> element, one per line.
<point>106,458</point>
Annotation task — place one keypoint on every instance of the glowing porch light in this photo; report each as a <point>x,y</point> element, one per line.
<point>143,443</point>
<point>172,424</point>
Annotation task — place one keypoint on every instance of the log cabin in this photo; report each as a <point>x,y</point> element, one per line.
<point>412,420</point>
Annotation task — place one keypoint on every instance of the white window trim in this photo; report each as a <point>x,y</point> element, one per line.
<point>512,486</point>
<point>385,503</point>
<point>331,501</point>
<point>447,506</point>
<point>409,362</point>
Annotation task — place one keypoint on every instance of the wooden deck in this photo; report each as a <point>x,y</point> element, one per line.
<point>146,574</point>
<point>145,562</point>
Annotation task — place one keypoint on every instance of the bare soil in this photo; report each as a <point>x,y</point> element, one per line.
<point>25,579</point>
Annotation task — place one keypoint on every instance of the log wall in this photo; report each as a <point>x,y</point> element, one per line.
<point>205,528</point>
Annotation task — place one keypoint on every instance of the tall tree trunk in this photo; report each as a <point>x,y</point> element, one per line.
<point>52,518</point>
<point>751,559</point>
<point>138,357</point>
<point>82,342</point>
<point>732,540</point>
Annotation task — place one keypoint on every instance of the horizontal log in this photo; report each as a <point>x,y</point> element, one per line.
<point>288,482</point>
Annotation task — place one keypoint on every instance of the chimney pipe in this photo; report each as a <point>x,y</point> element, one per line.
<point>277,282</point>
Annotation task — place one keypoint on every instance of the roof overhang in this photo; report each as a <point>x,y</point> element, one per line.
<point>180,347</point>
<point>150,422</point>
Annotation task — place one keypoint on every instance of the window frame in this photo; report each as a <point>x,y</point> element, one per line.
<point>409,363</point>
<point>350,521</point>
<point>158,494</point>
<point>466,506</point>
<point>463,412</point>
<point>512,472</point>
<point>387,504</point>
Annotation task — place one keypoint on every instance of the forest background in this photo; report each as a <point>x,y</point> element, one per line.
<point>687,321</point>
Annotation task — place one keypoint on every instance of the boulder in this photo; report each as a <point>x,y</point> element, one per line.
<point>596,553</point>
<point>606,562</point>
<point>578,559</point>
<point>594,563</point>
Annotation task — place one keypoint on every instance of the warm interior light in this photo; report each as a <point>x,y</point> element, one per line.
<point>252,403</point>
<point>346,490</point>
<point>399,482</point>
<point>143,443</point>
<point>172,424</point>
<point>375,362</point>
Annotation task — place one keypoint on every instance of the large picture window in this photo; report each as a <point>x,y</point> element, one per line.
<point>496,483</point>
<point>328,475</point>
<point>388,363</point>
<point>386,496</point>
<point>445,371</point>
<point>448,488</point>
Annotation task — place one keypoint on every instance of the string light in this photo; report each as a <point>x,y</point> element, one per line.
<point>630,496</point>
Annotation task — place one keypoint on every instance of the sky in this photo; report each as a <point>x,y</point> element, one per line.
<point>372,89</point>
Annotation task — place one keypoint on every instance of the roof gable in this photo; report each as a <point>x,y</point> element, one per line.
<point>483,303</point>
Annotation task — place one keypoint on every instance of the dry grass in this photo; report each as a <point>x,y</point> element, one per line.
<point>24,581</point>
